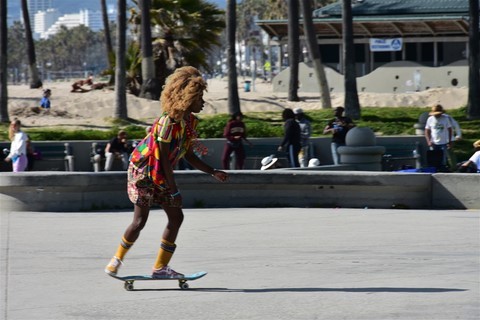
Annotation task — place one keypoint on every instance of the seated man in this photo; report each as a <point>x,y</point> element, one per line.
<point>472,164</point>
<point>117,148</point>
<point>77,85</point>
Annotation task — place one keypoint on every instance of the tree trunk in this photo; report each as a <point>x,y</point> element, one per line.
<point>108,39</point>
<point>352,105</point>
<point>293,49</point>
<point>3,63</point>
<point>314,52</point>
<point>120,79</point>
<point>473,104</point>
<point>35,81</point>
<point>233,98</point>
<point>150,85</point>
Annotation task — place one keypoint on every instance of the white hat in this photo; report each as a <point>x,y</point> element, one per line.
<point>268,162</point>
<point>297,110</point>
<point>314,162</point>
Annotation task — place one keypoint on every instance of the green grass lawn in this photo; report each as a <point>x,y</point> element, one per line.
<point>383,121</point>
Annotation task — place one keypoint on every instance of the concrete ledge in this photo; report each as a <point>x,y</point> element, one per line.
<point>458,190</point>
<point>63,191</point>
<point>77,191</point>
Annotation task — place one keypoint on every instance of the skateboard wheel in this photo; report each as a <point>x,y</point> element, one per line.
<point>183,285</point>
<point>128,286</point>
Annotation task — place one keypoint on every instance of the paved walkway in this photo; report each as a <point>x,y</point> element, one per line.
<point>275,263</point>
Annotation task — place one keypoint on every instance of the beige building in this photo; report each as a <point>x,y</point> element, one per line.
<point>399,45</point>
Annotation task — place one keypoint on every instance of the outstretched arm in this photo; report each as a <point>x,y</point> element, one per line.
<point>197,163</point>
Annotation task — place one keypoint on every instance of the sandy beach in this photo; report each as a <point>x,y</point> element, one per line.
<point>93,109</point>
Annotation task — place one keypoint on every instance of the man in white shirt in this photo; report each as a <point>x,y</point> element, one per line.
<point>438,132</point>
<point>474,159</point>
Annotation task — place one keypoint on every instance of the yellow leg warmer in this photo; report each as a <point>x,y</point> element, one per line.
<point>123,248</point>
<point>165,253</point>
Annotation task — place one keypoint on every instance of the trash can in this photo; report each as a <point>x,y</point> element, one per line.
<point>247,86</point>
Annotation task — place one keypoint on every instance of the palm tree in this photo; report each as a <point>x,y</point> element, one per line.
<point>150,85</point>
<point>3,63</point>
<point>473,104</point>
<point>35,81</point>
<point>275,9</point>
<point>120,82</point>
<point>186,31</point>
<point>293,49</point>
<point>108,38</point>
<point>352,105</point>
<point>314,52</point>
<point>233,99</point>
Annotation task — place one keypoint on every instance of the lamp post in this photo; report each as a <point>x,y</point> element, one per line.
<point>48,65</point>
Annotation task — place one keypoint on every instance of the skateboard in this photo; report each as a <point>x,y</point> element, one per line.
<point>182,282</point>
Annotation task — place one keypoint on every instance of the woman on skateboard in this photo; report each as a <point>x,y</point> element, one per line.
<point>150,174</point>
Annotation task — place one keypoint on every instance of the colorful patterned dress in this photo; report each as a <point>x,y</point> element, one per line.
<point>146,183</point>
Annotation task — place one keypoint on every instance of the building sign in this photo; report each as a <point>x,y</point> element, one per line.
<point>394,44</point>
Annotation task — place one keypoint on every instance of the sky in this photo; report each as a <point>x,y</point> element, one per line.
<point>74,6</point>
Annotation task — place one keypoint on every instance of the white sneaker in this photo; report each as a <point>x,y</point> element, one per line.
<point>113,266</point>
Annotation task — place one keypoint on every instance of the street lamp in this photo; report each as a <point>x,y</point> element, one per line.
<point>48,65</point>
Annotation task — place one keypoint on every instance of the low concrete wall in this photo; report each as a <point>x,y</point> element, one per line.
<point>82,150</point>
<point>76,191</point>
<point>392,77</point>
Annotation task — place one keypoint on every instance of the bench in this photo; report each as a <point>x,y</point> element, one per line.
<point>255,153</point>
<point>402,156</point>
<point>47,157</point>
<point>59,153</point>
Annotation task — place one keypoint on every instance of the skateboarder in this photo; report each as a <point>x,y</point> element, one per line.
<point>150,174</point>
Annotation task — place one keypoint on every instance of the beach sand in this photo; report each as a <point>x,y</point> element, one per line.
<point>93,109</point>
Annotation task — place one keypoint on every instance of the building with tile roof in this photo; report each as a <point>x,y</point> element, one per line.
<point>431,33</point>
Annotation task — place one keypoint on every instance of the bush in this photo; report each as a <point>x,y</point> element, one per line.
<point>383,121</point>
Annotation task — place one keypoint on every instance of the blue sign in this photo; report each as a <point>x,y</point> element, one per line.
<point>394,44</point>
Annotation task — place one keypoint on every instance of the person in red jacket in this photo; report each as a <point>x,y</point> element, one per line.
<point>234,132</point>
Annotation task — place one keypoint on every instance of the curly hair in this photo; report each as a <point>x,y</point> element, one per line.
<point>11,130</point>
<point>182,88</point>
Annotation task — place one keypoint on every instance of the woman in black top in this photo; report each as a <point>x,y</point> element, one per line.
<point>291,139</point>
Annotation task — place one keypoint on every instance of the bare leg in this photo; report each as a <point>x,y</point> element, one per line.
<point>175,219</point>
<point>140,218</point>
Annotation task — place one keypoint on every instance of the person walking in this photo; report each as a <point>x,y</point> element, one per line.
<point>235,132</point>
<point>338,127</point>
<point>291,138</point>
<point>457,136</point>
<point>18,147</point>
<point>305,132</point>
<point>151,179</point>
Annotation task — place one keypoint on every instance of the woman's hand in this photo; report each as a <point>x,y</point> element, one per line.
<point>177,199</point>
<point>221,176</point>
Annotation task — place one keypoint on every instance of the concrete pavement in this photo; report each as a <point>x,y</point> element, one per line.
<point>272,263</point>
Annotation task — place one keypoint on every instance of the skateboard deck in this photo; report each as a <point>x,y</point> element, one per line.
<point>182,282</point>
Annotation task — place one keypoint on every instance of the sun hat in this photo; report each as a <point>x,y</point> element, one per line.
<point>314,162</point>
<point>297,110</point>
<point>268,162</point>
<point>437,110</point>
<point>476,144</point>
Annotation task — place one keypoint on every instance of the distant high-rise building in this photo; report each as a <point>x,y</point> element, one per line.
<point>49,23</point>
<point>37,5</point>
<point>44,20</point>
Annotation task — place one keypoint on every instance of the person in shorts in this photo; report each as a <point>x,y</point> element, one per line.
<point>151,179</point>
